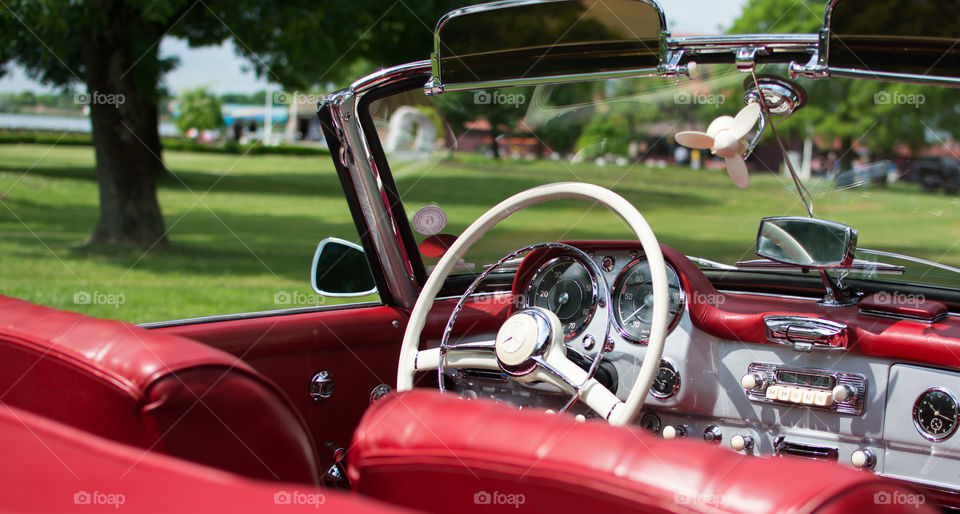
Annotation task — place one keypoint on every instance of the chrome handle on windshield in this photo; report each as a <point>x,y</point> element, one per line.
<point>804,333</point>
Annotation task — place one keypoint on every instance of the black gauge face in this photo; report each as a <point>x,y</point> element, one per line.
<point>565,287</point>
<point>633,300</point>
<point>936,414</point>
<point>667,381</point>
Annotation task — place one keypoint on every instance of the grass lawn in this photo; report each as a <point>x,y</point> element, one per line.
<point>243,228</point>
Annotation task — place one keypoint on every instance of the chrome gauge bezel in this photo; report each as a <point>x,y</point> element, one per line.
<point>676,387</point>
<point>594,289</point>
<point>956,421</point>
<point>614,294</point>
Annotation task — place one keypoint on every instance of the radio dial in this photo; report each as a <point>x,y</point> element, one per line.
<point>751,381</point>
<point>842,393</point>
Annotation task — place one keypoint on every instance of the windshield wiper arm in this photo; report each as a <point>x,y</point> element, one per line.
<point>712,264</point>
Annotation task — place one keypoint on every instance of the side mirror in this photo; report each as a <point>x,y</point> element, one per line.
<point>340,269</point>
<point>806,242</point>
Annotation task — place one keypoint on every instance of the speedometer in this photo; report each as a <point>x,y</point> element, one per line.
<point>564,286</point>
<point>633,300</point>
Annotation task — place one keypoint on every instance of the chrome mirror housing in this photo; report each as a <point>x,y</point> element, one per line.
<point>340,269</point>
<point>806,242</point>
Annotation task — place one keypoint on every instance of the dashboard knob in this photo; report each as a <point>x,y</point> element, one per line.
<point>674,432</point>
<point>741,442</point>
<point>842,393</point>
<point>863,458</point>
<point>713,434</point>
<point>751,381</point>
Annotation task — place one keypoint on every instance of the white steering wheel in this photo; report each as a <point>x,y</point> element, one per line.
<point>529,345</point>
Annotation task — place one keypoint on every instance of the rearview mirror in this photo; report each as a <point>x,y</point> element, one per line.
<point>806,242</point>
<point>521,42</point>
<point>340,269</point>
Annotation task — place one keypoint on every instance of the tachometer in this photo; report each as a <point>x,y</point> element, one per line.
<point>633,300</point>
<point>565,286</point>
<point>936,414</point>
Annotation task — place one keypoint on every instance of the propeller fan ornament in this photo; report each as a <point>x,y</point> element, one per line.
<point>723,138</point>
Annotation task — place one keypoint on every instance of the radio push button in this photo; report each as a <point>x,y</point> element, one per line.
<point>772,392</point>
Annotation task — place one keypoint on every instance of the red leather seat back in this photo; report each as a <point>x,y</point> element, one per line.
<point>155,391</point>
<point>439,453</point>
<point>52,467</point>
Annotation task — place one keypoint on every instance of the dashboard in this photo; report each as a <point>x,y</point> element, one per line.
<point>760,374</point>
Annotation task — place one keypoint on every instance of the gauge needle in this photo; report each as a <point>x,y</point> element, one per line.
<point>646,303</point>
<point>564,298</point>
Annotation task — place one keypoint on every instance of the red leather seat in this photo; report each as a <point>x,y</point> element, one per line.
<point>51,467</point>
<point>159,392</point>
<point>439,453</point>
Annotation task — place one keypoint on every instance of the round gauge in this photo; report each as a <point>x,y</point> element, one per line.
<point>564,286</point>
<point>936,414</point>
<point>667,381</point>
<point>633,300</point>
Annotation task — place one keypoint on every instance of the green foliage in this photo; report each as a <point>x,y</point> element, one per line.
<point>199,109</point>
<point>879,116</point>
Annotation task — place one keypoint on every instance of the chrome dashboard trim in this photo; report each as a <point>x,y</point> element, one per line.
<point>805,333</point>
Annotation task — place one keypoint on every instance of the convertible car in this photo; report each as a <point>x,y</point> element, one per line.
<point>542,361</point>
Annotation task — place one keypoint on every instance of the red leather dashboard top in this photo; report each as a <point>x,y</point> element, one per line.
<point>739,317</point>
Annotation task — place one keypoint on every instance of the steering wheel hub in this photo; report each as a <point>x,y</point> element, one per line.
<point>525,335</point>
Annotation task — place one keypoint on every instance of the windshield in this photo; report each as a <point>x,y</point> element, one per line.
<point>878,157</point>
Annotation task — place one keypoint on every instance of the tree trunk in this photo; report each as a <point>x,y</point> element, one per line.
<point>847,155</point>
<point>122,96</point>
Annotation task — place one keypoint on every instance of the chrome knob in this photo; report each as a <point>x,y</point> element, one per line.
<point>713,434</point>
<point>741,442</point>
<point>751,381</point>
<point>863,458</point>
<point>674,432</point>
<point>842,393</point>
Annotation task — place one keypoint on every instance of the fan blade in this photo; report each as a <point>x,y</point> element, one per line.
<point>718,124</point>
<point>745,119</point>
<point>737,169</point>
<point>694,139</point>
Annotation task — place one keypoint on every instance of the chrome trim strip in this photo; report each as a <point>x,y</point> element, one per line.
<point>887,76</point>
<point>253,315</point>
<point>554,79</point>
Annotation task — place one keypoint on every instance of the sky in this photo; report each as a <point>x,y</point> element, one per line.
<point>219,68</point>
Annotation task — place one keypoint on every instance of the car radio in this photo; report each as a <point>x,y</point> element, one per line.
<point>816,388</point>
